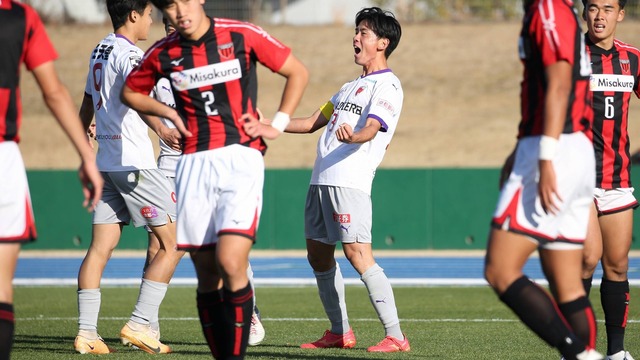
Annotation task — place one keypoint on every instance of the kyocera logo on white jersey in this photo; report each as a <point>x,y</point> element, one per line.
<point>207,75</point>
<point>610,82</point>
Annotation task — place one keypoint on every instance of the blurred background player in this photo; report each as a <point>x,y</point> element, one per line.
<point>616,76</point>
<point>135,189</point>
<point>220,175</point>
<point>359,122</point>
<point>545,199</point>
<point>167,162</point>
<point>25,40</point>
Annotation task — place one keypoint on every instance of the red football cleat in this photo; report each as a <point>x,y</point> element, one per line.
<point>331,340</point>
<point>391,344</point>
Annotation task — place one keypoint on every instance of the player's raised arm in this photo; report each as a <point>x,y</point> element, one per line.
<point>58,100</point>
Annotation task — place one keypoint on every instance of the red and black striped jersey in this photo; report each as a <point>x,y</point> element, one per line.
<point>615,77</point>
<point>551,33</point>
<point>214,79</point>
<point>23,39</point>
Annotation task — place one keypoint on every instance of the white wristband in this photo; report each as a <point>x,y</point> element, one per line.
<point>280,121</point>
<point>548,147</point>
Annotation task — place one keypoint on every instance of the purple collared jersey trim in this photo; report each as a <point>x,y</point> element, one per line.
<point>124,37</point>
<point>378,72</point>
<point>383,125</point>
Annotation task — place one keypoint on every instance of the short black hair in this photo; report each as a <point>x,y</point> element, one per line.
<point>161,4</point>
<point>119,10</point>
<point>622,3</point>
<point>383,23</point>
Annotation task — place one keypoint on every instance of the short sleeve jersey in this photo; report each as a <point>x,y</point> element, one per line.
<point>551,33</point>
<point>23,39</point>
<point>168,158</point>
<point>615,78</point>
<point>378,96</point>
<point>214,80</point>
<point>123,137</point>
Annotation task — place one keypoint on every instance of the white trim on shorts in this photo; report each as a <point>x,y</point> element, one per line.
<point>611,201</point>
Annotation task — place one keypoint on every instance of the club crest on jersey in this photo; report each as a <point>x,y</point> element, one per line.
<point>360,89</point>
<point>206,75</point>
<point>342,218</point>
<point>225,51</point>
<point>625,65</point>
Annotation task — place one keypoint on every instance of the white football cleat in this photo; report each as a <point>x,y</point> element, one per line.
<point>590,355</point>
<point>620,355</point>
<point>256,333</point>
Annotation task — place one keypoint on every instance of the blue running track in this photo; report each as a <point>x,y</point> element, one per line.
<point>288,271</point>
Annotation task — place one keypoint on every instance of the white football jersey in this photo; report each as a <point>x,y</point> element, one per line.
<point>168,158</point>
<point>123,137</point>
<point>379,96</point>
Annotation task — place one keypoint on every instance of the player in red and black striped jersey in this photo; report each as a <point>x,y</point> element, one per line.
<point>211,63</point>
<point>23,39</point>
<point>545,199</point>
<point>615,79</point>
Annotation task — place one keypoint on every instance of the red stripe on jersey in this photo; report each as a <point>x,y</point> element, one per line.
<point>4,107</point>
<point>623,145</point>
<point>550,33</point>
<point>608,130</point>
<point>613,159</point>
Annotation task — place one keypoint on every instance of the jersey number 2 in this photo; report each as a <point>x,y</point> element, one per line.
<point>209,99</point>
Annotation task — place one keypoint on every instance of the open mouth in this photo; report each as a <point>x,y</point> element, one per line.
<point>357,50</point>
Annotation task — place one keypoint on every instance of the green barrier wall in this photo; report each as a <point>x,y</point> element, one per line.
<point>412,209</point>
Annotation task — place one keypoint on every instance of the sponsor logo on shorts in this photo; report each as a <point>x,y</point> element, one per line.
<point>342,218</point>
<point>345,228</point>
<point>149,212</point>
<point>173,197</point>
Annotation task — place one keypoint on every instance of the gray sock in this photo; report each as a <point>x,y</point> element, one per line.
<point>381,296</point>
<point>88,309</point>
<point>331,290</point>
<point>149,300</point>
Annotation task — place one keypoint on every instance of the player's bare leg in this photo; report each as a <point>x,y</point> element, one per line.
<point>8,259</point>
<point>506,256</point>
<point>592,252</point>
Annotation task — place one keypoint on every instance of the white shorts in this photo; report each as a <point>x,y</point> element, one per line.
<point>144,196</point>
<point>16,213</point>
<point>335,214</point>
<point>610,201</point>
<point>519,209</point>
<point>219,193</point>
